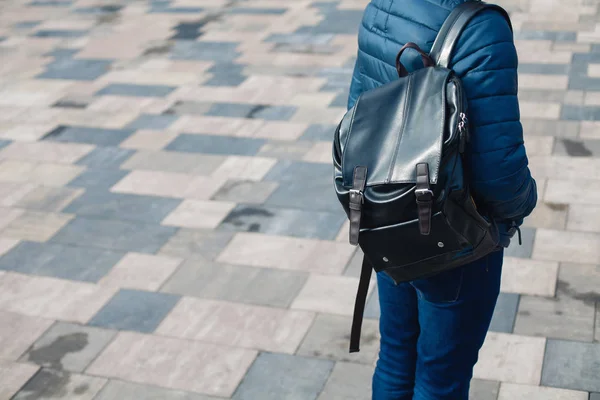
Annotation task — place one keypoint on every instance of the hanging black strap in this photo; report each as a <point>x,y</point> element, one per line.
<point>424,197</point>
<point>356,202</point>
<point>446,40</point>
<point>359,305</point>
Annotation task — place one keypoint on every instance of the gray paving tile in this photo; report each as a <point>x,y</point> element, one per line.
<point>189,107</point>
<point>329,338</point>
<point>257,10</point>
<point>26,24</point>
<point>286,150</point>
<point>226,74</point>
<point>114,235</point>
<point>559,318</point>
<point>98,178</point>
<point>273,113</point>
<point>51,199</point>
<point>281,376</point>
<point>204,51</point>
<point>355,264</point>
<point>594,396</point>
<point>135,310</point>
<point>60,261</point>
<point>4,143</point>
<point>50,3</point>
<point>566,129</point>
<point>154,122</point>
<point>241,191</point>
<point>69,347</point>
<point>260,286</point>
<point>106,157</point>
<point>124,207</point>
<point>295,38</point>
<point>577,148</point>
<point>337,22</point>
<point>572,365</point>
<point>60,33</point>
<point>81,134</point>
<point>583,83</point>
<point>348,382</point>
<point>544,96</point>
<point>126,390</point>
<point>546,69</point>
<point>505,313</point>
<point>524,250</point>
<point>289,171</point>
<point>221,145</point>
<point>484,390</point>
<point>190,243</point>
<point>316,196</point>
<point>130,89</point>
<point>284,222</point>
<point>579,282</point>
<point>557,36</point>
<point>372,310</point>
<point>319,132</point>
<point>49,384</point>
<point>75,69</point>
<point>341,100</point>
<point>62,53</point>
<point>580,113</point>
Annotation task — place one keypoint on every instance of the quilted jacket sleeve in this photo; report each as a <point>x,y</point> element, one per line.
<point>355,85</point>
<point>486,61</point>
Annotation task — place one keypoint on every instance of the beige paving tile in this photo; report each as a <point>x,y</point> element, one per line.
<point>276,130</point>
<point>542,81</point>
<point>532,277</point>
<point>328,294</point>
<point>260,250</point>
<point>564,167</point>
<point>14,375</point>
<point>8,215</point>
<point>511,391</point>
<point>584,218</point>
<point>67,153</point>
<point>48,198</point>
<point>6,245</point>
<point>18,332</point>
<point>511,358</point>
<point>173,161</point>
<point>174,363</point>
<point>148,140</point>
<point>579,281</point>
<point>248,168</point>
<point>199,214</point>
<point>12,192</point>
<point>597,328</point>
<point>343,236</point>
<point>312,115</point>
<point>539,145</point>
<point>51,298</point>
<point>590,130</point>
<point>168,184</point>
<point>321,152</point>
<point>592,99</point>
<point>239,325</point>
<point>564,246</point>
<point>35,226</point>
<point>562,192</point>
<point>43,174</point>
<point>547,214</point>
<point>141,271</point>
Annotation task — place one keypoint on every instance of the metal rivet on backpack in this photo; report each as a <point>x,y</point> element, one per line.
<point>440,244</point>
<point>385,259</point>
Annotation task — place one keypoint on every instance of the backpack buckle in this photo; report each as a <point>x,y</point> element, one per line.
<point>356,194</point>
<point>424,194</point>
<point>356,201</point>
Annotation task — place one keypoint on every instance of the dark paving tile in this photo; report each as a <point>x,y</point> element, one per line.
<point>572,365</point>
<point>99,10</point>
<point>546,69</point>
<point>51,3</point>
<point>73,102</point>
<point>260,286</point>
<point>60,261</point>
<point>114,235</point>
<point>505,313</point>
<point>192,30</point>
<point>75,69</point>
<point>189,107</point>
<point>124,207</point>
<point>62,53</point>
<point>61,33</point>
<point>580,113</point>
<point>336,22</point>
<point>135,310</point>
<point>284,222</point>
<point>249,192</point>
<point>81,134</point>
<point>54,384</point>
<point>257,11</point>
<point>98,178</point>
<point>4,143</point>
<point>289,171</point>
<point>69,347</point>
<point>210,144</point>
<point>557,36</point>
<point>160,9</point>
<point>329,338</point>
<point>316,196</point>
<point>338,79</point>
<point>318,132</point>
<point>153,122</point>
<point>594,396</point>
<point>226,74</point>
<point>196,243</point>
<point>577,148</point>
<point>584,83</point>
<point>521,251</point>
<point>130,89</point>
<point>106,157</point>
<point>233,110</point>
<point>204,51</point>
<point>289,377</point>
<point>115,389</point>
<point>26,24</point>
<point>348,381</point>
<point>341,100</point>
<point>484,390</point>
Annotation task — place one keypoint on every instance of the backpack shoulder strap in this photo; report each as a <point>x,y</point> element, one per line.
<point>446,40</point>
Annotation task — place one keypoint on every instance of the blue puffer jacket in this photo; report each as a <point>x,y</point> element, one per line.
<point>486,61</point>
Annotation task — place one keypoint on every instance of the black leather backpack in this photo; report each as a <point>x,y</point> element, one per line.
<point>399,172</point>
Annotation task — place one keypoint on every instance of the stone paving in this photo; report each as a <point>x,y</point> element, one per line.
<point>158,239</point>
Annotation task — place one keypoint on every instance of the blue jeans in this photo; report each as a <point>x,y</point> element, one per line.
<point>432,330</point>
